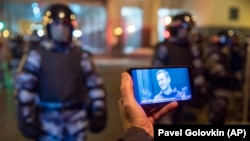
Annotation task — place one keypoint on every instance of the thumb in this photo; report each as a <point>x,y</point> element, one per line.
<point>127,87</point>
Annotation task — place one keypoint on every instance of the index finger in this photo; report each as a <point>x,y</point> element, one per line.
<point>164,110</point>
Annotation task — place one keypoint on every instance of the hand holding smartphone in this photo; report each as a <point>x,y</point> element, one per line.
<point>156,86</point>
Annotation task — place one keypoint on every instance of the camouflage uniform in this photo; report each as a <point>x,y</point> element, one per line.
<point>67,120</point>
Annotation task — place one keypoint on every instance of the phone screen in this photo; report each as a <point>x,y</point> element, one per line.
<point>162,84</point>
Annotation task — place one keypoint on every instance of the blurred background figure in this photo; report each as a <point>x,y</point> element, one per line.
<point>59,95</point>
<point>34,40</point>
<point>117,43</point>
<point>199,44</point>
<point>181,48</point>
<point>5,59</point>
<point>17,46</point>
<point>225,72</point>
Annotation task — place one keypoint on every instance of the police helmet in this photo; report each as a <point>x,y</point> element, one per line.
<point>183,20</point>
<point>227,38</point>
<point>58,13</point>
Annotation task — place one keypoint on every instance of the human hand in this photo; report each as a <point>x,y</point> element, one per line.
<point>132,113</point>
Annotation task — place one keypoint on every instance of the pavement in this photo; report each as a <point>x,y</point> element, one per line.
<point>140,56</point>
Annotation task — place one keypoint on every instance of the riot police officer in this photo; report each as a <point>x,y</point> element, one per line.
<point>59,92</point>
<point>178,43</point>
<point>225,67</point>
<point>180,48</point>
<point>17,47</point>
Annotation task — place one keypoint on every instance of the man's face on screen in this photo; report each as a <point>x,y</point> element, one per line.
<point>163,81</point>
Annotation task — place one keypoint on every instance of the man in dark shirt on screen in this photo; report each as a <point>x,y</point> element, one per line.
<point>167,92</point>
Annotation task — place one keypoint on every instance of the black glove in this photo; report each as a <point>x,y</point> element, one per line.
<point>97,120</point>
<point>97,124</point>
<point>32,129</point>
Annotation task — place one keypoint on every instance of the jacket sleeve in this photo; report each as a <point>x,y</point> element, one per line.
<point>25,93</point>
<point>135,134</point>
<point>97,107</point>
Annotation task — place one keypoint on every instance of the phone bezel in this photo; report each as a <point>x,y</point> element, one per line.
<point>159,104</point>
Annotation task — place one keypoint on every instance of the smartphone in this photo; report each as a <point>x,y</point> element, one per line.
<point>156,86</point>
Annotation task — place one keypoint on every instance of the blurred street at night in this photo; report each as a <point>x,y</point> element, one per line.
<point>110,68</point>
<point>212,37</point>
